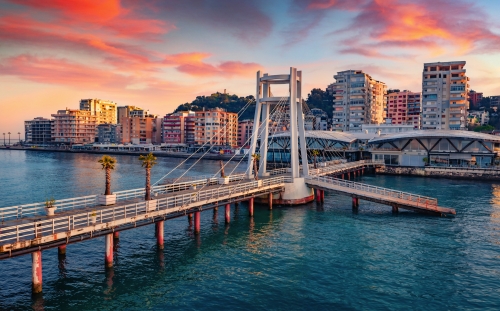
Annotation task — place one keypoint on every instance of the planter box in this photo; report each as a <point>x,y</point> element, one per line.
<point>223,180</point>
<point>50,210</point>
<point>151,205</point>
<point>93,219</point>
<point>106,199</point>
<point>259,183</point>
<point>322,165</point>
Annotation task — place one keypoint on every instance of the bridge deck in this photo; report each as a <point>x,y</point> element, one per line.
<point>34,232</point>
<point>380,195</point>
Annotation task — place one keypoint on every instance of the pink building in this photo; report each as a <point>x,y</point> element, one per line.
<point>177,127</point>
<point>403,107</point>
<point>73,126</point>
<point>475,98</point>
<point>245,128</point>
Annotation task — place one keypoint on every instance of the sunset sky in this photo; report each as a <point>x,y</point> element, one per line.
<point>159,54</point>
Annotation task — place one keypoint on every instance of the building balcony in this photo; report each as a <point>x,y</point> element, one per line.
<point>456,98</point>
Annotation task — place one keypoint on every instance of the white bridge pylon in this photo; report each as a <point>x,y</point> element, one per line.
<point>263,102</point>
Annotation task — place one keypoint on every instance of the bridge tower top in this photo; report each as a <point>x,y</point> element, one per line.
<point>264,99</point>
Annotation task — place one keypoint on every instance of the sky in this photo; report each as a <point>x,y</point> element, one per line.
<point>158,54</point>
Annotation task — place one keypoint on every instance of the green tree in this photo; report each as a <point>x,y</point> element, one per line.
<point>148,162</point>
<point>108,164</point>
<point>318,98</point>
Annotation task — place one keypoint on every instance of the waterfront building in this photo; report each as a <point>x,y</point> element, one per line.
<point>436,148</point>
<point>444,96</point>
<point>403,107</point>
<point>478,117</point>
<point>72,126</point>
<point>474,98</point>
<point>38,131</point>
<point>104,110</point>
<point>141,130</point>
<point>357,99</point>
<point>175,127</point>
<point>216,127</point>
<point>245,129</point>
<point>109,133</point>
<point>131,111</point>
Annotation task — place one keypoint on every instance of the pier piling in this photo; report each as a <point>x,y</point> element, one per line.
<point>36,272</point>
<point>61,250</point>
<point>197,222</point>
<point>108,258</point>
<point>159,234</point>
<point>228,213</point>
<point>250,207</point>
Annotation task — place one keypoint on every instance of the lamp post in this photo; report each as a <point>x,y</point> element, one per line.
<point>4,139</point>
<point>19,141</point>
<point>9,138</point>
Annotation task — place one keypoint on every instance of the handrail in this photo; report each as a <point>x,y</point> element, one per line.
<point>377,190</point>
<point>170,204</point>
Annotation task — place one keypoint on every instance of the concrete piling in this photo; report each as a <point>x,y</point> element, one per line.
<point>159,226</point>
<point>36,272</point>
<point>228,213</point>
<point>108,258</point>
<point>197,222</point>
<point>116,235</point>
<point>250,207</point>
<point>270,201</point>
<point>61,250</point>
<point>355,203</point>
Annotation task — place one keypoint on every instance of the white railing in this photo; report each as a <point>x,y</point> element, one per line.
<point>419,199</point>
<point>342,167</point>
<point>127,212</point>
<point>38,209</point>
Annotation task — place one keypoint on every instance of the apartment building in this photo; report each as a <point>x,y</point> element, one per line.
<point>176,127</point>
<point>131,111</point>
<point>216,127</point>
<point>444,96</point>
<point>245,129</point>
<point>357,99</point>
<point>137,130</point>
<point>109,133</point>
<point>38,131</point>
<point>72,126</point>
<point>474,98</point>
<point>495,102</point>
<point>403,107</point>
<point>104,110</point>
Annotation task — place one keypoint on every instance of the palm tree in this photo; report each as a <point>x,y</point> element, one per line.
<point>108,164</point>
<point>148,162</point>
<point>315,153</point>
<point>256,158</point>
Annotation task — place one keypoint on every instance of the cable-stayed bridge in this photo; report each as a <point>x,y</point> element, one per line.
<point>26,229</point>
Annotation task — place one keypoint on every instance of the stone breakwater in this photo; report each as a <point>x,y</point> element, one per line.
<point>442,172</point>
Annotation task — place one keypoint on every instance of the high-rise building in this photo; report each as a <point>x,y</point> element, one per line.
<point>175,127</point>
<point>73,126</point>
<point>403,108</point>
<point>357,99</point>
<point>475,98</point>
<point>216,127</point>
<point>104,110</point>
<point>444,96</point>
<point>38,131</point>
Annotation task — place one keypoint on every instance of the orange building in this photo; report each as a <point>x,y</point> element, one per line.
<point>137,130</point>
<point>73,126</point>
<point>216,127</point>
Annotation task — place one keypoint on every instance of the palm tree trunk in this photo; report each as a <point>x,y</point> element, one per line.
<point>255,169</point>
<point>315,166</point>
<point>148,184</point>
<point>108,181</point>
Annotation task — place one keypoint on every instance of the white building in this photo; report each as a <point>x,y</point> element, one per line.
<point>357,99</point>
<point>444,96</point>
<point>387,128</point>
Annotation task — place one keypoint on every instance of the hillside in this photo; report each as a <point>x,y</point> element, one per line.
<point>232,103</point>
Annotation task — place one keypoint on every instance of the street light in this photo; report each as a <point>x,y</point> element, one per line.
<point>4,139</point>
<point>9,138</point>
<point>19,141</point>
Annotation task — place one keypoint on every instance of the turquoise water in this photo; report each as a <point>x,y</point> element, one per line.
<point>309,257</point>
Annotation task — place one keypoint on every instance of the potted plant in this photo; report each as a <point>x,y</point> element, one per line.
<point>425,161</point>
<point>93,217</point>
<point>108,164</point>
<point>50,206</point>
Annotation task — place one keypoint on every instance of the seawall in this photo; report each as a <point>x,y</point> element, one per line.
<point>442,172</point>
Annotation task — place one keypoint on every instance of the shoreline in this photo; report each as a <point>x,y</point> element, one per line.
<point>163,154</point>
